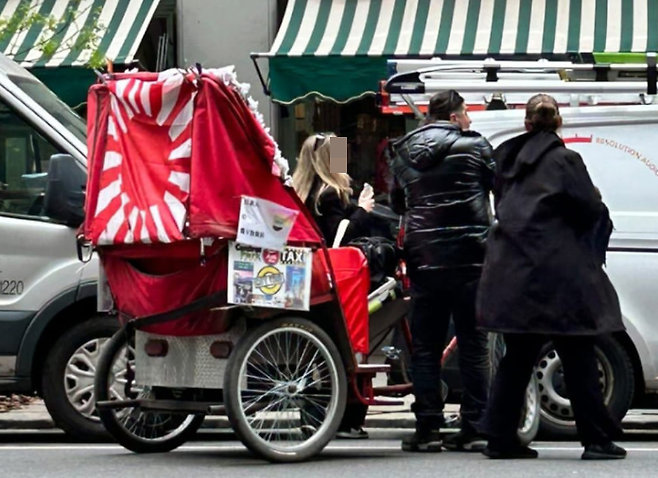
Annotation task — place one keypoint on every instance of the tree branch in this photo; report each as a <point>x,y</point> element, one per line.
<point>70,19</point>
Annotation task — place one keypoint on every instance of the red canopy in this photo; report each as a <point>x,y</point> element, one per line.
<point>170,156</point>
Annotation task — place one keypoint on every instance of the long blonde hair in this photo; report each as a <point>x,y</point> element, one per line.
<point>314,161</point>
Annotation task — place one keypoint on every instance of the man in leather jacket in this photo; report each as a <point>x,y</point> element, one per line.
<point>444,174</point>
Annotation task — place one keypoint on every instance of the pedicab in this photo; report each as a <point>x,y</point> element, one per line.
<point>229,301</point>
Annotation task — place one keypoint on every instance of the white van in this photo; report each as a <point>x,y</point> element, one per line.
<point>618,146</point>
<point>50,335</point>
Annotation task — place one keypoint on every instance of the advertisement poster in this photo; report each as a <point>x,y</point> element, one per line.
<point>264,224</point>
<point>270,278</point>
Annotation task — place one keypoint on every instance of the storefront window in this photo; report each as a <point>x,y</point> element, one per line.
<point>365,127</point>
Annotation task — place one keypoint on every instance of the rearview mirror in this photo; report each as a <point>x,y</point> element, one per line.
<point>65,191</point>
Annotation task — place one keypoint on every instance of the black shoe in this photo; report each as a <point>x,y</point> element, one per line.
<point>604,452</point>
<point>423,442</point>
<point>516,452</point>
<point>465,440</point>
<point>352,434</point>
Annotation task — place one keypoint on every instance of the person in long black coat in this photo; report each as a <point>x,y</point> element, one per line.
<point>543,279</point>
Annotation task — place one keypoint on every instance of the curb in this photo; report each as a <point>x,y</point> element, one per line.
<point>41,423</point>
<point>372,422</point>
<point>39,419</point>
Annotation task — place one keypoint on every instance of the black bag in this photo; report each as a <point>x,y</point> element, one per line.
<point>382,256</point>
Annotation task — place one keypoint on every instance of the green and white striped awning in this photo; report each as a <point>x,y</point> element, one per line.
<point>121,27</point>
<point>363,33</point>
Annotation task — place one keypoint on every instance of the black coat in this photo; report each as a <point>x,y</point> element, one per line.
<point>446,175</point>
<point>331,211</point>
<point>544,267</point>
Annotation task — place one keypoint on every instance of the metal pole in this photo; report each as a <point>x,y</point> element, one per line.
<point>409,100</point>
<point>254,59</point>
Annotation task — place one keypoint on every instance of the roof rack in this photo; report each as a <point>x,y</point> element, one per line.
<point>482,81</point>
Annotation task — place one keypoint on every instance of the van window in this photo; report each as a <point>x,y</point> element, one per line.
<point>24,159</point>
<point>53,105</point>
<point>36,90</point>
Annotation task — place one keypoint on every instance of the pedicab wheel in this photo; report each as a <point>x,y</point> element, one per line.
<point>137,430</point>
<point>285,390</point>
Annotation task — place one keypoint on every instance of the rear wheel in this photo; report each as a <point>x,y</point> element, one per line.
<point>138,430</point>
<point>285,390</point>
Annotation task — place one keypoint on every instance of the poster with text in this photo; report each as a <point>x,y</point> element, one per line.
<point>270,278</point>
<point>264,224</point>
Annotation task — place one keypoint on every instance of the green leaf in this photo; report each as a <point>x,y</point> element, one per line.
<point>86,39</point>
<point>49,48</point>
<point>96,60</point>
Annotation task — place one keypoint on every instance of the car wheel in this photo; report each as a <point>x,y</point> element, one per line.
<point>68,377</point>
<point>616,376</point>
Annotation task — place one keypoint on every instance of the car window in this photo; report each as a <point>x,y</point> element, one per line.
<point>40,93</point>
<point>24,159</point>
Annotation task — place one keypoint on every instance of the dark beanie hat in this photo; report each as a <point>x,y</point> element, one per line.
<point>443,104</point>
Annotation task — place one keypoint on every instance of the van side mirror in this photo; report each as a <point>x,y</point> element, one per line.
<point>65,191</point>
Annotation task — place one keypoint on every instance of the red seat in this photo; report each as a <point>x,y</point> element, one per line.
<point>353,283</point>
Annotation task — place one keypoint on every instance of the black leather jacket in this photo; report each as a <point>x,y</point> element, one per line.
<point>446,175</point>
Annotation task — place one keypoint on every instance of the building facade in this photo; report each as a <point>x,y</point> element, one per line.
<point>217,33</point>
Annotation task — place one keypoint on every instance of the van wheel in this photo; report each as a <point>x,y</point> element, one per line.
<point>68,377</point>
<point>616,376</point>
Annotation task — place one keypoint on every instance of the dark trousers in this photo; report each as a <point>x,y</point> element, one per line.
<point>355,411</point>
<point>354,416</point>
<point>594,423</point>
<point>436,297</point>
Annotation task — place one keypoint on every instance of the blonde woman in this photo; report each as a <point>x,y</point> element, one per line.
<point>327,194</point>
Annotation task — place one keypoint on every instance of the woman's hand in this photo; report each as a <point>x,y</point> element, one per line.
<point>367,199</point>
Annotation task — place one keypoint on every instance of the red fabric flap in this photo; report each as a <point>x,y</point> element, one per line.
<point>233,158</point>
<point>140,152</point>
<point>160,286</point>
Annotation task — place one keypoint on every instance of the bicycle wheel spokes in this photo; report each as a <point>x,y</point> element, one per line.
<point>288,387</point>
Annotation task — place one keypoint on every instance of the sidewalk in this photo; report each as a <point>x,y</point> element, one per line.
<point>36,417</point>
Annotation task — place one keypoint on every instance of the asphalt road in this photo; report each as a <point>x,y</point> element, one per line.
<point>49,455</point>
